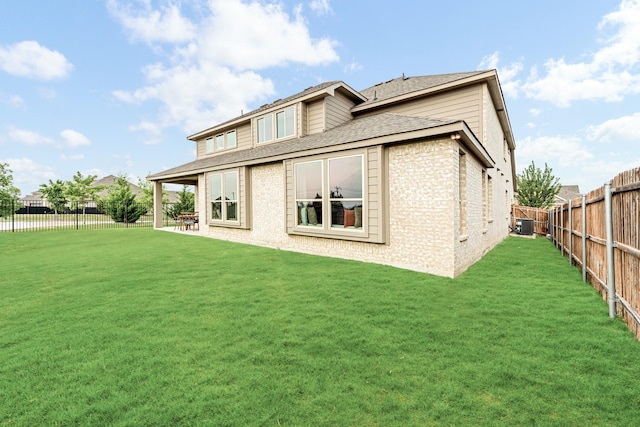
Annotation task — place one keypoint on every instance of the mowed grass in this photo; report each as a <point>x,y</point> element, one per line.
<point>140,327</point>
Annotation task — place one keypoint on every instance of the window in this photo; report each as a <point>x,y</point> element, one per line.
<point>221,141</point>
<point>490,197</point>
<point>462,193</point>
<point>329,193</point>
<point>231,139</point>
<point>283,126</point>
<point>484,199</point>
<point>224,184</point>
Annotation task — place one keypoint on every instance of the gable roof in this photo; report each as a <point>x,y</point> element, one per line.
<point>318,90</point>
<point>403,86</point>
<point>364,131</point>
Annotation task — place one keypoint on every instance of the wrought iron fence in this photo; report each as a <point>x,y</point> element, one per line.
<point>26,215</point>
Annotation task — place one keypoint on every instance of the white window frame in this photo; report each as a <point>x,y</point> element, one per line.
<point>224,202</point>
<point>326,227</point>
<point>212,144</point>
<point>268,126</point>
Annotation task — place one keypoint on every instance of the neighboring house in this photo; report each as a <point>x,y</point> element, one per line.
<point>566,194</point>
<point>36,199</point>
<point>415,172</point>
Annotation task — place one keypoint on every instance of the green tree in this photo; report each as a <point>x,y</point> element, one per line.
<point>146,192</point>
<point>185,203</point>
<point>537,188</point>
<point>55,194</point>
<point>8,192</point>
<point>82,189</point>
<point>120,202</point>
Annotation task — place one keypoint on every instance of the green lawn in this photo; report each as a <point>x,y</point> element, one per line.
<point>139,327</point>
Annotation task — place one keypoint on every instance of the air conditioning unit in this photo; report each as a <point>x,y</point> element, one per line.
<point>524,226</point>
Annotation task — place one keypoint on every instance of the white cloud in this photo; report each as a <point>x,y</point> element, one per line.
<point>352,67</point>
<point>506,74</point>
<point>609,75</point>
<point>321,7</point>
<point>27,174</point>
<point>535,112</point>
<point>74,139</point>
<point>565,151</point>
<point>30,59</point>
<point>259,35</point>
<point>72,157</point>
<point>28,137</point>
<point>623,128</point>
<point>13,101</point>
<point>214,76</point>
<point>164,25</point>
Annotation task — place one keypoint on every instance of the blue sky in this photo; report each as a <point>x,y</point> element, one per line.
<point>109,87</point>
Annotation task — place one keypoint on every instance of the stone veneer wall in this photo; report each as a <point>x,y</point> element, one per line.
<point>422,213</point>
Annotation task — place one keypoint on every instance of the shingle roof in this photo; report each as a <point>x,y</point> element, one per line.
<point>275,103</point>
<point>405,85</point>
<point>359,129</point>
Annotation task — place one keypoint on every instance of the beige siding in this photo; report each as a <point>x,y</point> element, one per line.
<point>459,104</point>
<point>315,117</point>
<point>337,110</point>
<point>243,141</point>
<point>201,148</point>
<point>244,136</point>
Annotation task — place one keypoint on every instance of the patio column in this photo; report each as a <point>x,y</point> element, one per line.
<point>157,205</point>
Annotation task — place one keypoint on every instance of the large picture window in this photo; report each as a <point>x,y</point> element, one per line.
<point>281,124</point>
<point>224,196</point>
<point>329,193</point>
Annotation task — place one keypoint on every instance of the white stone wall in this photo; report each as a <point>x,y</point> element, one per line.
<point>420,202</point>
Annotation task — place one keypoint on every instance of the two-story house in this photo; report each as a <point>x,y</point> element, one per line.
<point>415,172</point>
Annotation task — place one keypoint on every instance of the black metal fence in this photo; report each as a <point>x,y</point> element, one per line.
<point>25,215</point>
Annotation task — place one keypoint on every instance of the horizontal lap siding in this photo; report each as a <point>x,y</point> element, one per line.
<point>374,189</point>
<point>315,117</point>
<point>244,136</point>
<point>289,211</point>
<point>463,104</point>
<point>337,110</point>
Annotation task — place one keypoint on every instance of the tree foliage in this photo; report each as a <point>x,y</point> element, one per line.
<point>537,188</point>
<point>120,202</point>
<point>185,203</point>
<point>146,192</point>
<point>55,193</point>
<point>8,192</point>
<point>81,189</point>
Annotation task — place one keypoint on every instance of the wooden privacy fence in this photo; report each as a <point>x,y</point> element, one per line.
<point>539,216</point>
<point>600,233</point>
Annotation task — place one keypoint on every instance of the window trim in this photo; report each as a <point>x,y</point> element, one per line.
<point>260,125</point>
<point>242,202</point>
<point>211,143</point>
<point>327,230</point>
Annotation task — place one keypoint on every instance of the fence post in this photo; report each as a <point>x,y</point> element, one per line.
<point>13,216</point>
<point>611,276</point>
<point>584,237</point>
<point>561,224</point>
<point>77,215</point>
<point>570,235</point>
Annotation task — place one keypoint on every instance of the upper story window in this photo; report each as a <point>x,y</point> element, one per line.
<point>221,141</point>
<point>280,124</point>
